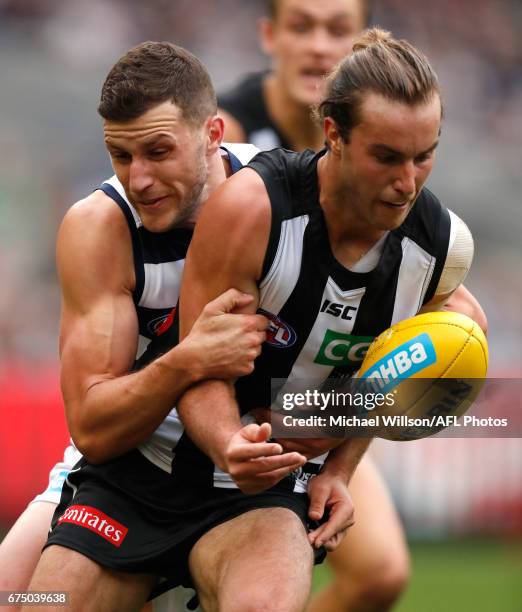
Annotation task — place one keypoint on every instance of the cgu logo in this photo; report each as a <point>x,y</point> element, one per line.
<point>338,349</point>
<point>279,334</point>
<point>403,362</point>
<point>339,310</point>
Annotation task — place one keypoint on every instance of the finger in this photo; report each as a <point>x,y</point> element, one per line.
<point>269,464</point>
<point>261,322</point>
<point>264,481</point>
<point>257,433</point>
<point>229,301</point>
<point>264,432</point>
<point>332,543</point>
<point>329,529</point>
<point>318,497</point>
<point>245,452</point>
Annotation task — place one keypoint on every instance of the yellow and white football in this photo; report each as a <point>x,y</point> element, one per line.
<point>431,367</point>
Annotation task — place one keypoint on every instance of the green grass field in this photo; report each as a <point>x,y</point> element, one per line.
<point>460,576</point>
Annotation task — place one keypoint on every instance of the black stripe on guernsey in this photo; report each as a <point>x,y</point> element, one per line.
<point>442,243</point>
<point>302,305</point>
<point>164,247</point>
<point>136,242</point>
<point>277,174</point>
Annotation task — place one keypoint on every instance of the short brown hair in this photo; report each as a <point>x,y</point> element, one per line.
<point>379,64</point>
<point>155,72</point>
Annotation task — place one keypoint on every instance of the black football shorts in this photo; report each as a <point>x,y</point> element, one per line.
<point>130,515</point>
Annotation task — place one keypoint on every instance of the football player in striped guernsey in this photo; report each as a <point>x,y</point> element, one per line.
<point>352,226</point>
<point>305,39</point>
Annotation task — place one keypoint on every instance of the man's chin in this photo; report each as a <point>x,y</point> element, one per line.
<point>158,226</point>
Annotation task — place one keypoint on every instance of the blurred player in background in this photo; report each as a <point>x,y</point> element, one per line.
<point>305,40</point>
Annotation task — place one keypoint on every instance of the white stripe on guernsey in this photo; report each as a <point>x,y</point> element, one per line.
<point>243,151</point>
<point>114,182</point>
<point>305,369</point>
<point>282,277</point>
<point>158,448</point>
<point>414,278</point>
<point>162,284</point>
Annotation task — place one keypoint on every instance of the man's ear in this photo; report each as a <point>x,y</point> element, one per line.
<point>266,34</point>
<point>215,130</point>
<point>332,136</point>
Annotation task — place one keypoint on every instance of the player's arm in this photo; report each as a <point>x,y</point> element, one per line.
<point>109,410</point>
<point>234,131</point>
<point>227,250</point>
<point>450,293</point>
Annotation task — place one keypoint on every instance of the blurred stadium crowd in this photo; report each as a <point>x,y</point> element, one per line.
<point>54,55</point>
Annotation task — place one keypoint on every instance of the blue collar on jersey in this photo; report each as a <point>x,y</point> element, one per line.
<point>235,164</point>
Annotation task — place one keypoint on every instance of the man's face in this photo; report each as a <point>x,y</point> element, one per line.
<point>388,158</point>
<point>307,38</point>
<point>160,160</point>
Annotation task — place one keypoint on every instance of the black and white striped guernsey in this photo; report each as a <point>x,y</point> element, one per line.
<point>323,315</point>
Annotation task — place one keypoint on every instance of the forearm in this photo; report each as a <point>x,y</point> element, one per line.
<point>115,414</point>
<point>343,460</point>
<point>210,415</point>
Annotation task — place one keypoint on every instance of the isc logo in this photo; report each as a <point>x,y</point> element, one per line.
<point>339,349</point>
<point>339,310</point>
<point>403,362</point>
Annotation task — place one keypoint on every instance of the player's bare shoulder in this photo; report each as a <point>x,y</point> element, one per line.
<point>96,216</point>
<point>236,220</point>
<point>94,237</point>
<point>242,199</point>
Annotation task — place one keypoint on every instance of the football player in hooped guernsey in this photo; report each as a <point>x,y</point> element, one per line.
<point>352,225</point>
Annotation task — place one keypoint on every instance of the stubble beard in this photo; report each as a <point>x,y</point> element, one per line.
<point>189,206</point>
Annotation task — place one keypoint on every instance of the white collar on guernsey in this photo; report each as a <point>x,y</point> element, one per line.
<point>371,258</point>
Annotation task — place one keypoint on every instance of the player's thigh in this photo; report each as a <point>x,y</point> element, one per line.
<point>90,586</point>
<point>376,543</point>
<point>21,548</point>
<point>261,560</point>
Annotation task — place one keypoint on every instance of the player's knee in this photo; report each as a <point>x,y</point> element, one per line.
<point>261,598</point>
<point>379,589</point>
